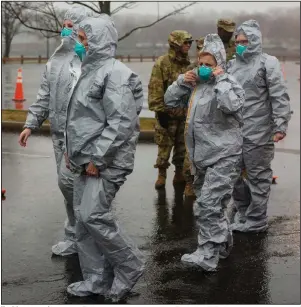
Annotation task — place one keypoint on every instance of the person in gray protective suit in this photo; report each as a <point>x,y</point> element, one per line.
<point>102,131</point>
<point>214,143</point>
<point>59,77</point>
<point>266,114</point>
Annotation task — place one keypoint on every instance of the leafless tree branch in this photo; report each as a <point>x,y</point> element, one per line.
<point>10,26</point>
<point>127,5</point>
<point>175,12</point>
<point>43,16</point>
<point>94,9</point>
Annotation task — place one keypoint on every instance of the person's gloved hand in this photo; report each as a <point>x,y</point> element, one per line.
<point>163,119</point>
<point>278,136</point>
<point>92,170</point>
<point>25,134</point>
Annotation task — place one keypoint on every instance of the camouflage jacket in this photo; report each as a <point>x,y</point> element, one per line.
<point>230,50</point>
<point>193,65</point>
<point>165,71</point>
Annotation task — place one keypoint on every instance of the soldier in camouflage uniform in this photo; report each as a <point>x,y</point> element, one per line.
<point>225,30</point>
<point>169,129</point>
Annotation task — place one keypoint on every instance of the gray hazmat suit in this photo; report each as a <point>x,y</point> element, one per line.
<point>214,143</point>
<point>103,128</point>
<point>266,111</point>
<point>58,79</point>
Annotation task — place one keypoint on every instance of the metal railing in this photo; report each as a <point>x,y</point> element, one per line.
<point>39,60</point>
<point>128,59</point>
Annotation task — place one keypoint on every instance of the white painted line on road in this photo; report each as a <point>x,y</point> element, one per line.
<point>288,151</point>
<point>25,155</point>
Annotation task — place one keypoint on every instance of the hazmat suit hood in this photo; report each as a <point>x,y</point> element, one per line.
<point>76,15</point>
<point>102,38</point>
<point>252,31</point>
<point>214,45</point>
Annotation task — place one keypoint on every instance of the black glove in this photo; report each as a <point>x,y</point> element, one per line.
<point>163,119</point>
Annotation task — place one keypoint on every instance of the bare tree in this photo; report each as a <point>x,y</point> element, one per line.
<point>176,11</point>
<point>39,16</point>
<point>105,7</point>
<point>10,26</point>
<point>45,17</point>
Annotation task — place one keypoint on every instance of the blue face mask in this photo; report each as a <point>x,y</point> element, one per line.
<point>205,72</point>
<point>80,50</point>
<point>240,49</point>
<point>66,32</point>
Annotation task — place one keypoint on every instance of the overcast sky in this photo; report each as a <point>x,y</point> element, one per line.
<point>165,7</point>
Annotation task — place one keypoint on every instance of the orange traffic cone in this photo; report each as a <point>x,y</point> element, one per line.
<point>19,94</point>
<point>3,194</point>
<point>274,179</point>
<point>19,105</point>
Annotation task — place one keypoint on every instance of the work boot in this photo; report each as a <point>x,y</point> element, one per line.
<point>178,178</point>
<point>189,192</point>
<point>160,183</point>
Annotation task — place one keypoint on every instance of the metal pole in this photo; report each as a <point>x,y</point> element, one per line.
<point>158,9</point>
<point>47,48</point>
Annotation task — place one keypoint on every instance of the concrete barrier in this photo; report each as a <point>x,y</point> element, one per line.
<point>146,136</point>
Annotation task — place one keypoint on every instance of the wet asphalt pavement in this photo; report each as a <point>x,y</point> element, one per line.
<point>261,269</point>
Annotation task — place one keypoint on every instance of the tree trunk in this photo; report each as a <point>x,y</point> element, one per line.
<point>7,51</point>
<point>47,48</point>
<point>7,48</point>
<point>105,7</point>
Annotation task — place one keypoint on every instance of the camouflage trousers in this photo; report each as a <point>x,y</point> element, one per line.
<point>168,139</point>
<point>186,166</point>
<point>186,170</point>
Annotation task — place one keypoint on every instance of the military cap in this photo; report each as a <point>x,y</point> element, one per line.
<point>226,24</point>
<point>178,37</point>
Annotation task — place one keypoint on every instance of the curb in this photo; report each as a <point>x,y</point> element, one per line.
<point>10,126</point>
